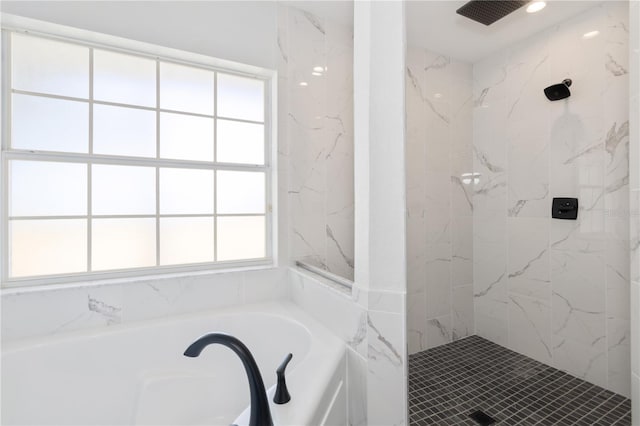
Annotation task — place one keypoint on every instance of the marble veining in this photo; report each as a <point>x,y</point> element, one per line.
<point>563,283</point>
<point>319,131</point>
<point>439,101</point>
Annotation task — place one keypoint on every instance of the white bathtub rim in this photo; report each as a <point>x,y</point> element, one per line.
<point>313,373</point>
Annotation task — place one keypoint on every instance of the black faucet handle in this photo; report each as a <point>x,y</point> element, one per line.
<point>282,394</point>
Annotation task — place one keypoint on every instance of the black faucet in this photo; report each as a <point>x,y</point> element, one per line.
<point>260,413</point>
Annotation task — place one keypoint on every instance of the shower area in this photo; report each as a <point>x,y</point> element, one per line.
<point>518,208</point>
<point>515,316</point>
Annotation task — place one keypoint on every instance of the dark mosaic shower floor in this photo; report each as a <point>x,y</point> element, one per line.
<point>449,382</point>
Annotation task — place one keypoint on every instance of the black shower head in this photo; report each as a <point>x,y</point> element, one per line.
<point>558,91</point>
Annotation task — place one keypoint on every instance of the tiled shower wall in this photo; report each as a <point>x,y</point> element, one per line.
<point>634,166</point>
<point>439,192</point>
<point>319,130</point>
<point>556,290</point>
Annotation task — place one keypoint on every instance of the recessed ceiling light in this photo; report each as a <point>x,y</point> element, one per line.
<point>591,34</point>
<point>536,6</point>
<point>318,69</point>
<point>303,83</point>
<point>317,74</point>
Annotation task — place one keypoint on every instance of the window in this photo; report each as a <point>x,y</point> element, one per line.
<point>121,163</point>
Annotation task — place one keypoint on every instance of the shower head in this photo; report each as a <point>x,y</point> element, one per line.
<point>558,91</point>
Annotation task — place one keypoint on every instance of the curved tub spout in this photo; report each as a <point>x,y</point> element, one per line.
<point>260,413</point>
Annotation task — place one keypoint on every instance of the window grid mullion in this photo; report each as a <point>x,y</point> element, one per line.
<point>90,168</point>
<point>215,172</point>
<point>7,112</point>
<point>157,168</point>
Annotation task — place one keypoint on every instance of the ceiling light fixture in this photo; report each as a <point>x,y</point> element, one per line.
<point>590,34</point>
<point>536,7</point>
<point>318,69</point>
<point>317,74</point>
<point>303,83</point>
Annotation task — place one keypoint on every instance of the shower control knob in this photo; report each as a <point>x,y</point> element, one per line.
<point>282,393</point>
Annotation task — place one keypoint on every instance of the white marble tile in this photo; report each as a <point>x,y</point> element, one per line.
<point>346,319</point>
<point>386,364</point>
<point>320,138</point>
<point>528,257</point>
<point>634,236</point>
<point>489,79</point>
<point>438,207</point>
<point>528,174</point>
<point>438,276</point>
<point>618,356</point>
<point>578,296</point>
<point>530,327</point>
<point>491,322</point>
<point>462,312</point>
<point>265,285</point>
<point>356,389</point>
<point>416,252</point>
<point>635,328</point>
<point>462,250</point>
<point>439,331</point>
<point>584,360</point>
<point>416,322</point>
<point>40,313</point>
<point>635,397</point>
<point>162,297</point>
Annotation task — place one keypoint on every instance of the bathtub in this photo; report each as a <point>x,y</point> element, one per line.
<point>136,373</point>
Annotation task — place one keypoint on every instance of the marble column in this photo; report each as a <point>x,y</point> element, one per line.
<point>379,171</point>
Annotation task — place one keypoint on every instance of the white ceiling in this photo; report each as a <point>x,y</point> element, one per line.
<point>435,25</point>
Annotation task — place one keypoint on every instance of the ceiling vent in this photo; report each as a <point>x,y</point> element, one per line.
<point>489,11</point>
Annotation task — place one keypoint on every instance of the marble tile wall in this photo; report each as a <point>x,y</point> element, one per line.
<point>316,64</point>
<point>556,290</point>
<point>373,338</point>
<point>634,183</point>
<point>34,312</point>
<point>439,199</point>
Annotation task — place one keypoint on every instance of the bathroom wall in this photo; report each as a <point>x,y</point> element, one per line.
<point>316,59</point>
<point>439,199</point>
<point>556,290</point>
<point>634,183</point>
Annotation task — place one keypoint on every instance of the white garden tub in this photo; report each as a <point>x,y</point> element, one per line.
<point>136,374</point>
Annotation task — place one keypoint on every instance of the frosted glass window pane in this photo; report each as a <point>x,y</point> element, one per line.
<point>186,137</point>
<point>241,237</point>
<point>123,190</point>
<point>186,191</point>
<point>38,188</point>
<point>240,192</point>
<point>48,66</point>
<point>186,240</point>
<point>240,142</point>
<point>123,243</point>
<point>48,124</point>
<point>124,79</point>
<point>124,131</point>
<point>186,89</point>
<point>46,247</point>
<point>240,97</point>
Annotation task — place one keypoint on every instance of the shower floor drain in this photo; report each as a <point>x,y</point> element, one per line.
<point>482,418</point>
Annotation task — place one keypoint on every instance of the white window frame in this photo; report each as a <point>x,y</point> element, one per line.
<point>16,24</point>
